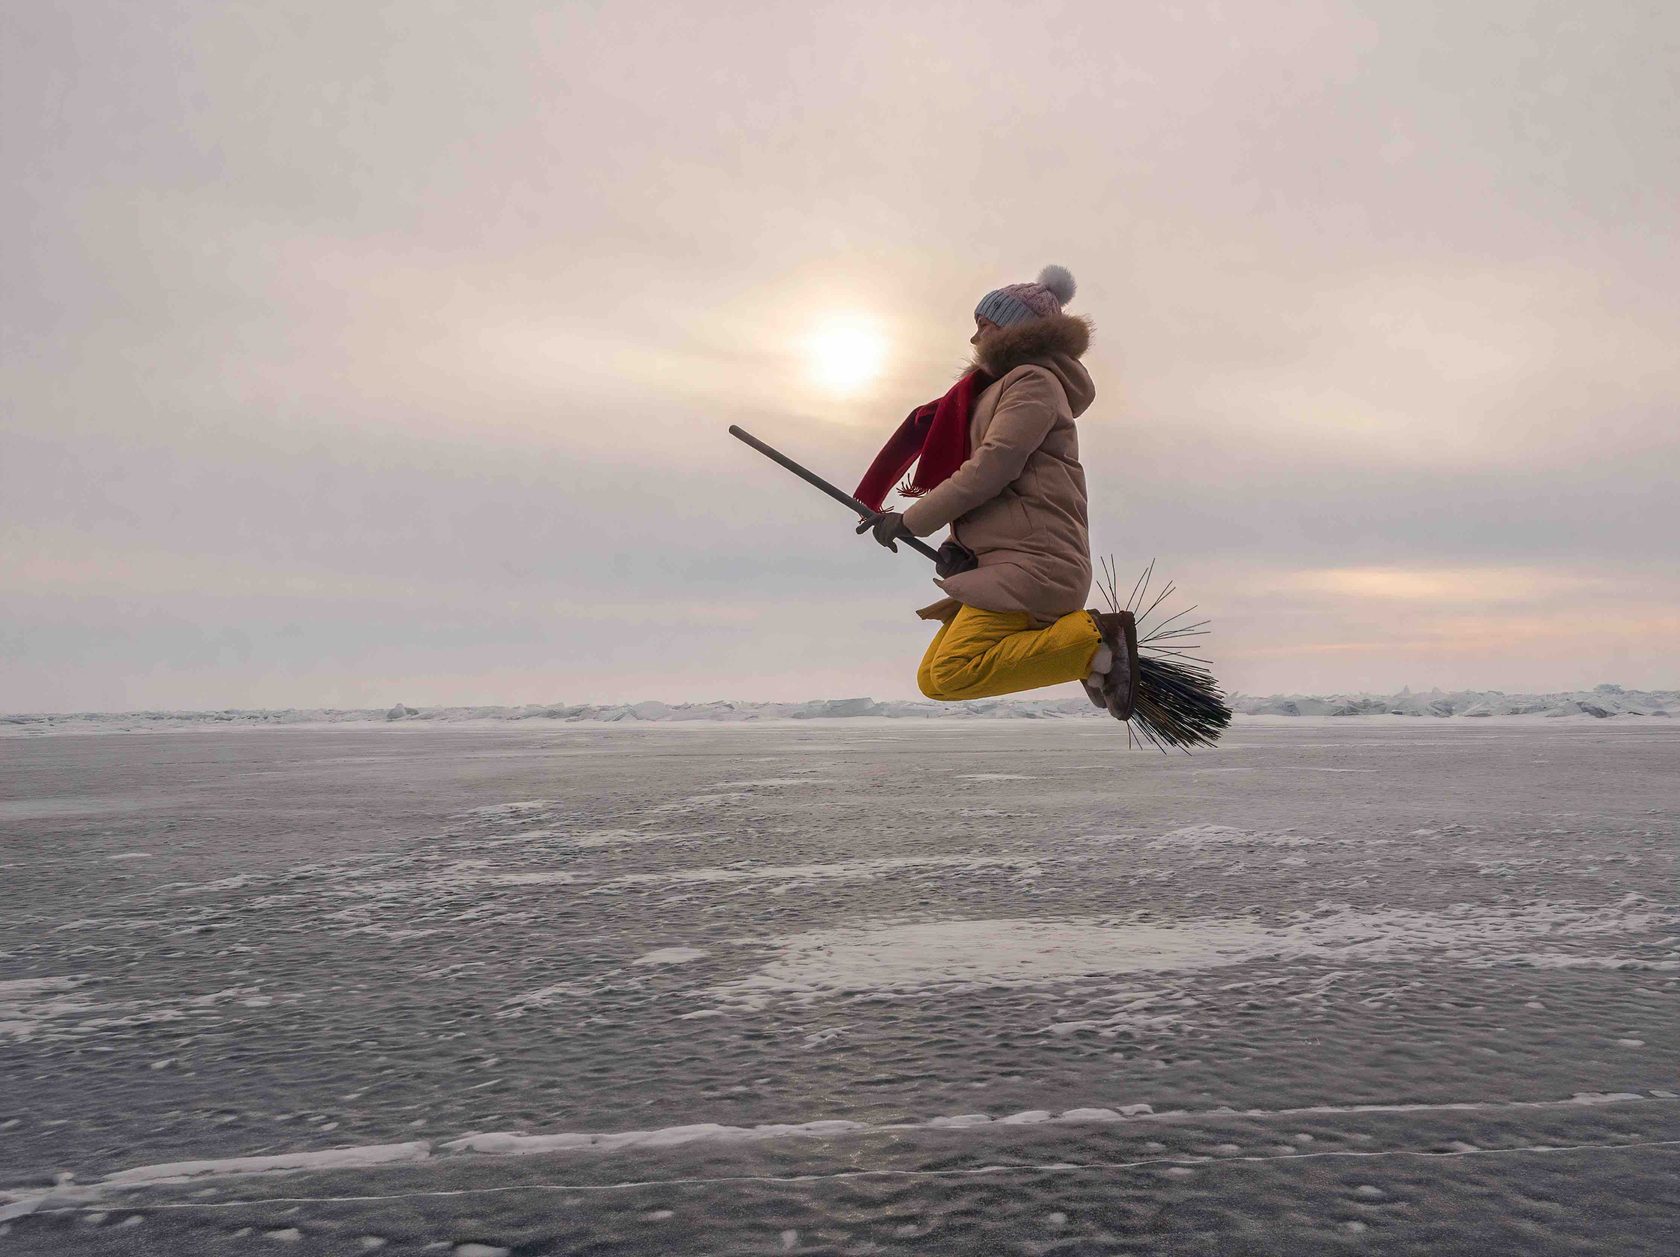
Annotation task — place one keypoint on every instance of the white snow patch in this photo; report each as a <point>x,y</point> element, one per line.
<point>1563,960</point>
<point>1109,1026</point>
<point>959,1121</point>
<point>1603,1097</point>
<point>130,855</point>
<point>864,870</point>
<point>1107,1115</point>
<point>324,1159</point>
<point>590,838</point>
<point>922,955</point>
<point>27,1002</point>
<point>502,1143</point>
<point>23,988</point>
<point>670,956</point>
<point>543,997</point>
<point>770,783</point>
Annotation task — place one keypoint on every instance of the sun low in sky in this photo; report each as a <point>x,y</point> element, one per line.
<point>846,353</point>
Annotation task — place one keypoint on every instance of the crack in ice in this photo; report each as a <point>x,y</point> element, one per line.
<point>25,1201</point>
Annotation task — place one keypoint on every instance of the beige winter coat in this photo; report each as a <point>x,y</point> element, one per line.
<point>1019,501</point>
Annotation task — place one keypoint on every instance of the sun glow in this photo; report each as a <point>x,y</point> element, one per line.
<point>846,355</point>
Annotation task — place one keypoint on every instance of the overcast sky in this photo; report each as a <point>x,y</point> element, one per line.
<point>363,353</point>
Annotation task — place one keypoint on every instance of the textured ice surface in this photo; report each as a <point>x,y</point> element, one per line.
<point>962,987</point>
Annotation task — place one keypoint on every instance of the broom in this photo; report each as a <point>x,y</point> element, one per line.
<point>1178,701</point>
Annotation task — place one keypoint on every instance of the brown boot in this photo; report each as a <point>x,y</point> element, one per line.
<point>1120,683</point>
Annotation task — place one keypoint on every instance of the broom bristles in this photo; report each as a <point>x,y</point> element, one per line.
<point>1179,703</point>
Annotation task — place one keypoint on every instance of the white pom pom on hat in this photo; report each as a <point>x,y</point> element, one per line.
<point>1059,280</point>
<point>1017,303</point>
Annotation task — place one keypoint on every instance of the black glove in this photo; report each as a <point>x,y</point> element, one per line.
<point>887,526</point>
<point>955,559</point>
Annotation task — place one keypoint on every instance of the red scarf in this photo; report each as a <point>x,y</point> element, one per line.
<point>936,434</point>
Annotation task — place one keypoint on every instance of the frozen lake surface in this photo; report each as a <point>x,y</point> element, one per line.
<point>842,987</point>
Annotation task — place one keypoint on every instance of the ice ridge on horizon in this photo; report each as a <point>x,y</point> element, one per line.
<point>1601,702</point>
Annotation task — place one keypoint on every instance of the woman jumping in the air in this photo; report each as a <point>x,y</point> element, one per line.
<point>997,459</point>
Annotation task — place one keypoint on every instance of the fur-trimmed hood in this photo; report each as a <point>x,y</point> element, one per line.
<point>1055,342</point>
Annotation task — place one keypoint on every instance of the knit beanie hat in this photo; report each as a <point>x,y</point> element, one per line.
<point>1017,303</point>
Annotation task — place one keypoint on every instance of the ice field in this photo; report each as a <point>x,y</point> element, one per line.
<point>850,986</point>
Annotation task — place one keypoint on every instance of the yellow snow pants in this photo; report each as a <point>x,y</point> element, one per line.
<point>980,654</point>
